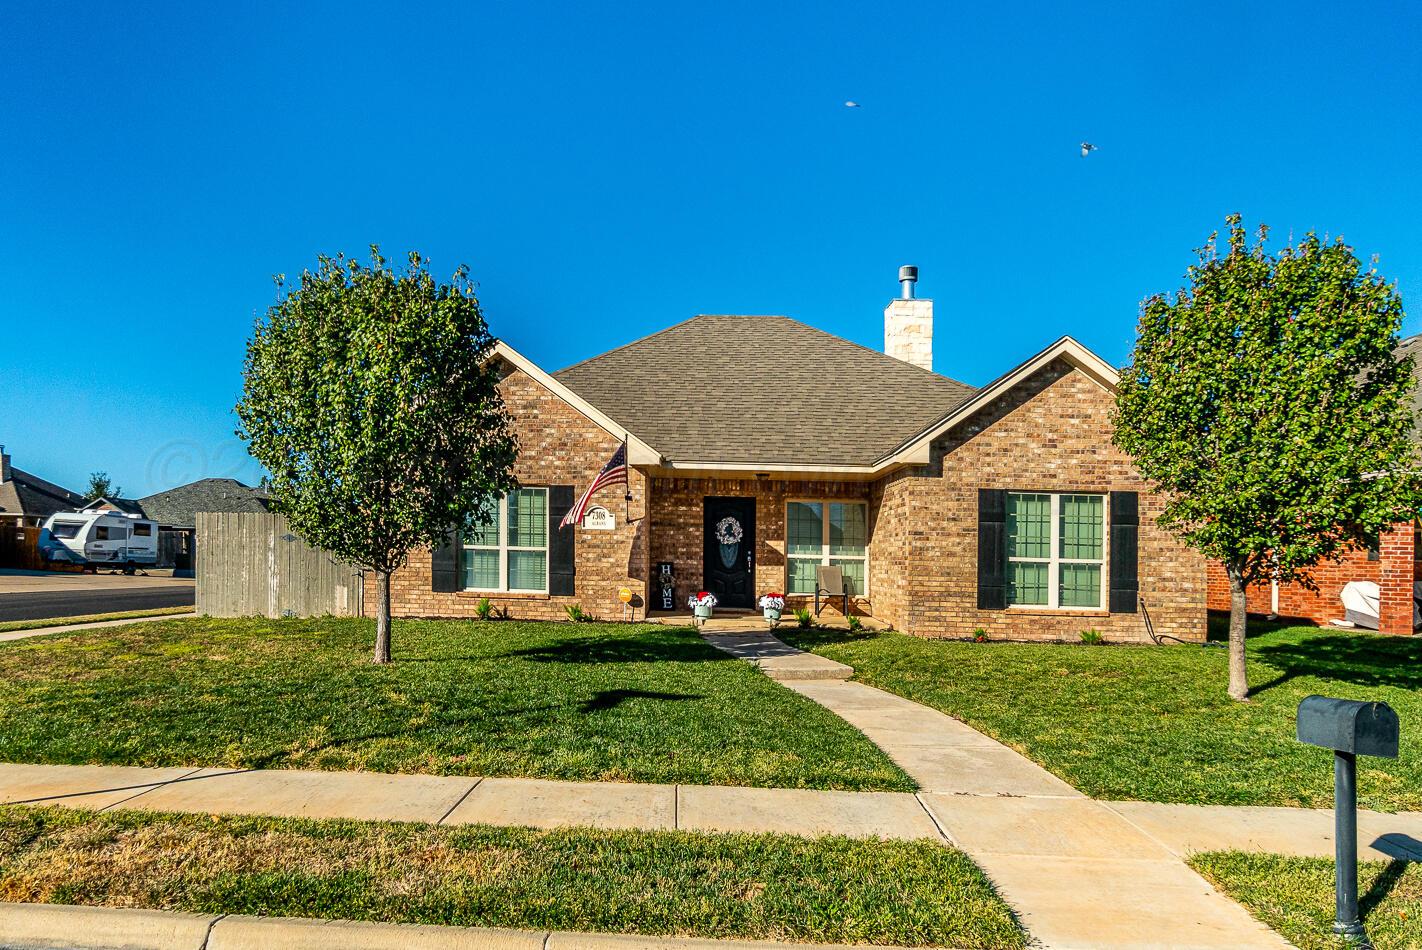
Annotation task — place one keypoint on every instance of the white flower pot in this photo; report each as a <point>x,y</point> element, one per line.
<point>772,614</point>
<point>702,613</point>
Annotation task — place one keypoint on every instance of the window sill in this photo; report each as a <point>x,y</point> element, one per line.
<point>1036,610</point>
<point>503,594</point>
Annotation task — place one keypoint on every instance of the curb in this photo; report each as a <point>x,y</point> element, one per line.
<point>68,927</point>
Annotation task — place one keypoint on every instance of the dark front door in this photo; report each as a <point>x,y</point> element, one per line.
<point>728,565</point>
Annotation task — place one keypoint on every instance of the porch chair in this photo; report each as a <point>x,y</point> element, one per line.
<point>829,587</point>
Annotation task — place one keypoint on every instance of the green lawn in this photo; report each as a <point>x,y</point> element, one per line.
<point>1154,723</point>
<point>10,626</point>
<point>1295,896</point>
<point>751,886</point>
<point>611,702</point>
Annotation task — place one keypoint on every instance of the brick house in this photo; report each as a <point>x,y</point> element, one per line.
<point>1394,563</point>
<point>761,449</point>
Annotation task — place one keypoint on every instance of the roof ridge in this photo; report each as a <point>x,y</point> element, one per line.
<point>870,349</point>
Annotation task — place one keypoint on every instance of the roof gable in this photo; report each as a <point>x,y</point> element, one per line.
<point>32,496</point>
<point>762,391</point>
<point>916,449</point>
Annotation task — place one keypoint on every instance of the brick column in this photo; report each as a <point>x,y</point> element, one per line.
<point>1395,555</point>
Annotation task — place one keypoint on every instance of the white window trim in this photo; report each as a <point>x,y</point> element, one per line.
<point>825,557</point>
<point>1054,560</point>
<point>503,547</point>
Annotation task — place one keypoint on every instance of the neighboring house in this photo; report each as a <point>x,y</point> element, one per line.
<point>27,500</point>
<point>177,508</point>
<point>124,506</point>
<point>1394,563</point>
<point>948,509</point>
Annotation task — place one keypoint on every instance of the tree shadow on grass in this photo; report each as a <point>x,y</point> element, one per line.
<point>620,650</point>
<point>612,698</point>
<point>1361,659</point>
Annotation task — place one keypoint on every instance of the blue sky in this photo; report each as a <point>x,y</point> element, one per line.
<point>607,170</point>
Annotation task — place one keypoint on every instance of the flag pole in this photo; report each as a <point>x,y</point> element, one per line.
<point>626,481</point>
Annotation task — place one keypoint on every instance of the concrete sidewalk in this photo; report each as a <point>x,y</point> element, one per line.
<point>448,800</point>
<point>56,926</point>
<point>72,627</point>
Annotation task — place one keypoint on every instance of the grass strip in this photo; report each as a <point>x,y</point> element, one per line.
<point>1295,896</point>
<point>826,890</point>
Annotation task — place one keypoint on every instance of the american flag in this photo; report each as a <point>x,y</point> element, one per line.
<point>613,472</point>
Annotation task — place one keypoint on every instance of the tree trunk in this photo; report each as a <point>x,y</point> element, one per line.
<point>382,616</point>
<point>1238,617</point>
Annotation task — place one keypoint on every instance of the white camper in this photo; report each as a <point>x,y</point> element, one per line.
<point>95,538</point>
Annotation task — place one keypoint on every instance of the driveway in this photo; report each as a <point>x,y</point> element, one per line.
<point>30,595</point>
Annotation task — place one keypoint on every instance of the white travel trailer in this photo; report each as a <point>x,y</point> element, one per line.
<point>94,538</point>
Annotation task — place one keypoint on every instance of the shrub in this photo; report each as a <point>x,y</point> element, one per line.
<point>804,618</point>
<point>1092,637</point>
<point>980,635</point>
<point>855,624</point>
<point>576,614</point>
<point>485,609</point>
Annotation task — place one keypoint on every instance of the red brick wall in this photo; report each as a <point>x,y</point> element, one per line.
<point>1053,434</point>
<point>1394,572</point>
<point>557,446</point>
<point>678,526</point>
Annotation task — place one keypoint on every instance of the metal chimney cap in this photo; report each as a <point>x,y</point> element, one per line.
<point>908,275</point>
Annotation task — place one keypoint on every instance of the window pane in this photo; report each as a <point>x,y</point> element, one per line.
<point>528,570</point>
<point>849,530</point>
<point>481,569</point>
<point>802,576</point>
<point>853,575</point>
<point>1083,525</point>
<point>528,518</point>
<point>1080,585</point>
<point>485,528</point>
<point>804,528</point>
<point>1029,525</point>
<point>1027,582</point>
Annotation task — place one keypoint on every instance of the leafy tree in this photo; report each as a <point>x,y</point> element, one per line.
<point>100,486</point>
<point>369,400</point>
<point>1266,403</point>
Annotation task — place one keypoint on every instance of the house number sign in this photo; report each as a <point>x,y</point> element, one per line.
<point>599,518</point>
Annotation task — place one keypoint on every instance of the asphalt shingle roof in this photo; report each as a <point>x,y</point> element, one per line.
<point>762,390</point>
<point>32,496</point>
<point>178,507</point>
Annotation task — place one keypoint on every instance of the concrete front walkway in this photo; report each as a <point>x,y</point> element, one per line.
<point>1079,874</point>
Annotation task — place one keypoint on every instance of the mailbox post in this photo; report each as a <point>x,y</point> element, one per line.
<point>1350,729</point>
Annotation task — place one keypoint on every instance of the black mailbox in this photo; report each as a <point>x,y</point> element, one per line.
<point>1346,725</point>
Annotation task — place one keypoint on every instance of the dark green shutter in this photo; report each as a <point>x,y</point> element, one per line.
<point>562,563</point>
<point>1125,528</point>
<point>444,564</point>
<point>992,549</point>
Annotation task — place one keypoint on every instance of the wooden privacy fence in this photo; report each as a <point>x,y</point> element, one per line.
<point>253,564</point>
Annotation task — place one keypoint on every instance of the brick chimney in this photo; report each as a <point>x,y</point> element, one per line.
<point>4,466</point>
<point>908,323</point>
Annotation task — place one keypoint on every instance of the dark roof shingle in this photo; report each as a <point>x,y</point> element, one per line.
<point>762,390</point>
<point>179,506</point>
<point>32,496</point>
